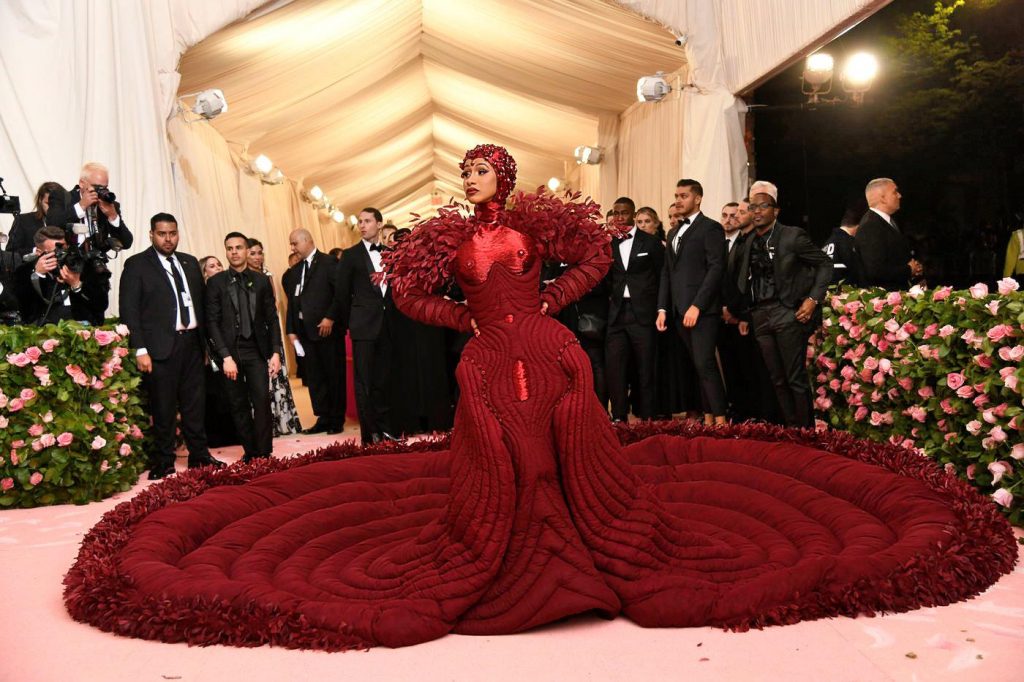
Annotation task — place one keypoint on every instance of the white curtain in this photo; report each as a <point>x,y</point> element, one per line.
<point>651,153</point>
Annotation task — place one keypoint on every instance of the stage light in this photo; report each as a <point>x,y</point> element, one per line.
<point>859,72</point>
<point>554,184</point>
<point>315,193</point>
<point>274,177</point>
<point>652,88</point>
<point>587,155</point>
<point>262,165</point>
<point>818,69</point>
<point>210,103</point>
<point>338,216</point>
<point>353,220</point>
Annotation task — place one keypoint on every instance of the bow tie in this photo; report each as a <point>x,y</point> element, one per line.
<point>684,221</point>
<point>626,237</point>
<point>376,247</point>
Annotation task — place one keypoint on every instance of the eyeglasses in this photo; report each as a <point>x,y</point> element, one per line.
<point>765,206</point>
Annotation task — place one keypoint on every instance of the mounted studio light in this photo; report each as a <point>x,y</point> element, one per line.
<point>554,184</point>
<point>652,88</point>
<point>262,164</point>
<point>210,103</point>
<point>353,220</point>
<point>816,79</point>
<point>315,193</point>
<point>858,75</point>
<point>338,216</point>
<point>587,155</point>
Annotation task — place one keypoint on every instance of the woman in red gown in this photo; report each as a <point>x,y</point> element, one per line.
<point>534,510</point>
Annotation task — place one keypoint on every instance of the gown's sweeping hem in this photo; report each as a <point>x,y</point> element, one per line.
<point>979,549</point>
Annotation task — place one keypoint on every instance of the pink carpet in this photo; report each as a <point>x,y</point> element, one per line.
<point>982,639</point>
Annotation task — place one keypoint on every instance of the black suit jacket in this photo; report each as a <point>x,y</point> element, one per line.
<point>693,276</point>
<point>884,253</point>
<point>62,215</point>
<point>361,304</point>
<point>642,273</point>
<point>21,239</point>
<point>802,270</point>
<point>149,304</point>
<point>223,301</point>
<point>317,300</point>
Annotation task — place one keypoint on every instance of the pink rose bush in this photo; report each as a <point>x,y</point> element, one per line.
<point>69,406</point>
<point>934,370</point>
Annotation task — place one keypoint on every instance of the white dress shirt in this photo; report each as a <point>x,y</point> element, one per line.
<point>187,295</point>
<point>682,230</point>
<point>375,258</point>
<point>625,249</point>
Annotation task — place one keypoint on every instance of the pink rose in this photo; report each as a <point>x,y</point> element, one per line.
<point>983,361</point>
<point>861,413</point>
<point>979,290</point>
<point>18,359</point>
<point>894,298</point>
<point>104,465</point>
<point>98,385</point>
<point>136,432</point>
<point>931,330</point>
<point>48,440</point>
<point>1018,451</point>
<point>980,400</point>
<point>870,363</point>
<point>835,384</point>
<point>1007,285</point>
<point>885,365</point>
<point>925,392</point>
<point>891,325</point>
<point>847,372</point>
<point>973,427</point>
<point>989,416</point>
<point>955,380</point>
<point>965,391</point>
<point>27,394</point>
<point>997,434</point>
<point>6,484</point>
<point>992,307</point>
<point>104,337</point>
<point>916,291</point>
<point>109,417</point>
<point>36,430</point>
<point>1003,497</point>
<point>946,331</point>
<point>33,353</point>
<point>942,293</point>
<point>121,351</point>
<point>998,470</point>
<point>50,344</point>
<point>971,468</point>
<point>121,329</point>
<point>125,449</point>
<point>1000,332</point>
<point>15,460</point>
<point>15,405</point>
<point>36,478</point>
<point>3,422</point>
<point>98,442</point>
<point>41,371</point>
<point>3,399</point>
<point>950,468</point>
<point>84,333</point>
<point>65,439</point>
<point>917,413</point>
<point>1009,377</point>
<point>96,407</point>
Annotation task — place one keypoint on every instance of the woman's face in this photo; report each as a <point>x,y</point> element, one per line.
<point>256,258</point>
<point>644,221</point>
<point>479,181</point>
<point>211,267</point>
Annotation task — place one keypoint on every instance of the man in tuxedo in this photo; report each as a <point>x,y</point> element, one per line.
<point>87,200</point>
<point>362,306</point>
<point>782,278</point>
<point>162,304</point>
<point>885,254</point>
<point>241,320</point>
<point>690,293</point>
<point>50,291</point>
<point>841,247</point>
<point>309,323</point>
<point>633,285</point>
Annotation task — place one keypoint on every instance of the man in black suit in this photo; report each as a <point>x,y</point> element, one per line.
<point>361,306</point>
<point>312,311</point>
<point>633,284</point>
<point>85,202</point>
<point>782,278</point>
<point>841,247</point>
<point>50,291</point>
<point>241,320</point>
<point>162,305</point>
<point>691,292</point>
<point>885,254</point>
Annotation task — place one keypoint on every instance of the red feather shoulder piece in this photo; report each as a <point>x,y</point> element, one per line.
<point>566,230</point>
<point>422,261</point>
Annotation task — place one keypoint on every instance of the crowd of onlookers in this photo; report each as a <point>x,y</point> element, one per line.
<point>707,314</point>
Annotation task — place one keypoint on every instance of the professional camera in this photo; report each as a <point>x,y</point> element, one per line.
<point>73,257</point>
<point>103,193</point>
<point>8,203</point>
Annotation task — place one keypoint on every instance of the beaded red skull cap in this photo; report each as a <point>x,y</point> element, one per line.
<point>504,167</point>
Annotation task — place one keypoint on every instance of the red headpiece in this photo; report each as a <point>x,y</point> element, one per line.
<point>504,167</point>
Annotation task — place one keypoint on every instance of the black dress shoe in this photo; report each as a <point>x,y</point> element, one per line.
<point>335,428</point>
<point>205,461</point>
<point>319,427</point>
<point>159,471</point>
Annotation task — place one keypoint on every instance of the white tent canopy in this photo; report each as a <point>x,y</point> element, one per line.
<point>376,100</point>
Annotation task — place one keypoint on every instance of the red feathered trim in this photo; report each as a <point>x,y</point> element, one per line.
<point>978,551</point>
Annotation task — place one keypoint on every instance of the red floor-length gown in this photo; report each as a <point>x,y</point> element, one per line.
<point>535,512</point>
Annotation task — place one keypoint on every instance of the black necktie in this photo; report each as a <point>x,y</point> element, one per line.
<point>184,314</point>
<point>244,321</point>
<point>892,221</point>
<point>305,272</point>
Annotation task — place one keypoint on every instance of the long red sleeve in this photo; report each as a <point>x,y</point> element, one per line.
<point>433,309</point>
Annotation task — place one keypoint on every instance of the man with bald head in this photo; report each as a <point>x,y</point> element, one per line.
<point>885,254</point>
<point>87,201</point>
<point>309,323</point>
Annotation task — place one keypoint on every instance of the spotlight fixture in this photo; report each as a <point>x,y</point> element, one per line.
<point>353,220</point>
<point>652,88</point>
<point>210,103</point>
<point>315,193</point>
<point>858,75</point>
<point>554,184</point>
<point>274,177</point>
<point>816,79</point>
<point>262,165</point>
<point>337,216</point>
<point>587,155</point>
<point>859,71</point>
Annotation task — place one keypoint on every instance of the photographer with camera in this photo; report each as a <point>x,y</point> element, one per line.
<point>25,226</point>
<point>56,283</point>
<point>91,202</point>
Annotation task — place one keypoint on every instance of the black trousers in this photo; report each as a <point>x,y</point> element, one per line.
<point>249,398</point>
<point>371,369</point>
<point>176,385</point>
<point>700,341</point>
<point>627,338</point>
<point>324,374</point>
<point>783,343</point>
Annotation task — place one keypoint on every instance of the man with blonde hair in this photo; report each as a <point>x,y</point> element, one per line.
<point>886,256</point>
<point>91,199</point>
